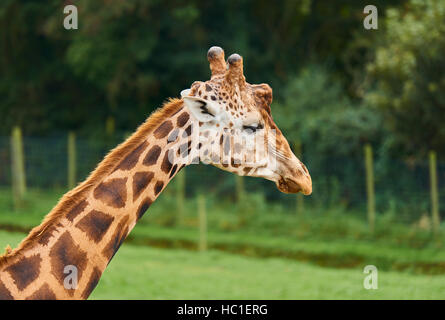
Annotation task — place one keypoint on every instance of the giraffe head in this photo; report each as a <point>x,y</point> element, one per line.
<point>236,130</point>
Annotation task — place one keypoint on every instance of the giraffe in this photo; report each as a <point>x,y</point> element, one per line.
<point>225,122</point>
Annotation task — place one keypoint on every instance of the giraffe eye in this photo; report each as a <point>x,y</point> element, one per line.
<point>253,128</point>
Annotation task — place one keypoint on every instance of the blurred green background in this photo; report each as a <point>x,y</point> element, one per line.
<point>364,109</point>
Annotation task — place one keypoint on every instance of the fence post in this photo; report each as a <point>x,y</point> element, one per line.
<point>202,223</point>
<point>72,170</point>
<point>180,196</point>
<point>17,167</point>
<point>239,187</point>
<point>370,186</point>
<point>299,197</point>
<point>434,192</point>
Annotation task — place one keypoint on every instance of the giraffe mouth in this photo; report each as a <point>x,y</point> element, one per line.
<point>289,185</point>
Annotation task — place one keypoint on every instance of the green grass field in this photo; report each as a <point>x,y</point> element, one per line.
<point>273,254</point>
<point>138,272</point>
<point>331,238</point>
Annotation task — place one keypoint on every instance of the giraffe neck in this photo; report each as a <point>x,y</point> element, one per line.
<point>74,246</point>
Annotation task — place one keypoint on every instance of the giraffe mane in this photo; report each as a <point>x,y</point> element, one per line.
<point>110,161</point>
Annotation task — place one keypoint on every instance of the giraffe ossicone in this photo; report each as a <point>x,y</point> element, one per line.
<point>224,121</point>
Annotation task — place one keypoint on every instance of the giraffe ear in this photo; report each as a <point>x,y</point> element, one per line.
<point>201,109</point>
<point>263,96</point>
<point>185,93</point>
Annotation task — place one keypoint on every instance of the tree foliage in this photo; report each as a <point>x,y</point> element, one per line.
<point>408,75</point>
<point>127,57</point>
<point>317,113</point>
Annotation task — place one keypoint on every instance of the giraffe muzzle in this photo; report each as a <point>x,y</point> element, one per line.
<point>290,185</point>
<point>296,180</point>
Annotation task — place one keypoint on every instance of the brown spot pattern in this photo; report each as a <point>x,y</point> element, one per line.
<point>113,193</point>
<point>158,187</point>
<point>182,119</point>
<point>173,171</point>
<point>143,207</point>
<point>116,240</point>
<point>4,293</point>
<point>246,170</point>
<point>78,208</point>
<point>187,132</point>
<point>95,224</point>
<point>152,156</point>
<point>92,283</point>
<point>235,162</point>
<point>25,271</point>
<point>65,252</point>
<point>46,235</point>
<point>163,130</point>
<point>44,293</point>
<point>140,182</point>
<point>166,164</point>
<point>132,158</point>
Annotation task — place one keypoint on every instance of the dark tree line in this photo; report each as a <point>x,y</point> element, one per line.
<point>127,57</point>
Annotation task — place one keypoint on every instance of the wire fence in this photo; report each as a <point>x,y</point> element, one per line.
<point>400,187</point>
